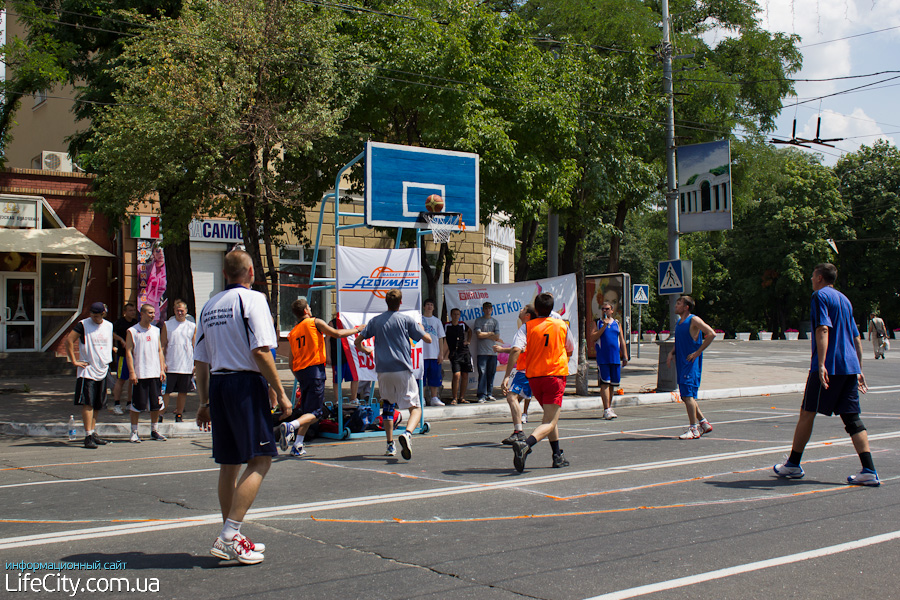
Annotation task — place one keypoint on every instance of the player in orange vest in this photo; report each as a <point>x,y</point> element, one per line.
<point>548,343</point>
<point>307,341</point>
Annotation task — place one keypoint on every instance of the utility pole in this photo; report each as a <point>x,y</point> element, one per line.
<point>668,50</point>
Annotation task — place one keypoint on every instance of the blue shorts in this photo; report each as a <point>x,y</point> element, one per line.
<point>241,418</point>
<point>841,397</point>
<point>520,385</point>
<point>688,391</point>
<point>610,373</point>
<point>346,373</point>
<point>433,376</point>
<point>122,371</point>
<point>312,396</point>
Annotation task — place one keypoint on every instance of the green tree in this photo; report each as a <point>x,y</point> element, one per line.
<point>214,110</point>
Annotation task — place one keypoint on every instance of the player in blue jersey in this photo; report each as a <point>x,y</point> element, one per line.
<point>612,355</point>
<point>688,357</point>
<point>835,377</point>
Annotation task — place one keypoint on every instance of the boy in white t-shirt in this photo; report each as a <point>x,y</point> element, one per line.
<point>434,353</point>
<point>177,339</point>
<point>95,339</point>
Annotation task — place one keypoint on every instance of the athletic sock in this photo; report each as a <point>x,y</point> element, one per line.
<point>517,427</point>
<point>91,432</point>
<point>866,459</point>
<point>230,529</point>
<point>154,425</point>
<point>704,421</point>
<point>531,441</point>
<point>795,458</point>
<point>298,440</point>
<point>134,429</point>
<point>555,447</point>
<point>295,424</point>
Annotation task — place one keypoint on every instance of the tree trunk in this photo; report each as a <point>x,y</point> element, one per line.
<point>179,277</point>
<point>573,262</point>
<point>529,231</point>
<point>615,240</point>
<point>272,273</point>
<point>449,261</point>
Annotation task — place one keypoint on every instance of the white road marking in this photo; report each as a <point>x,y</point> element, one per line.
<point>754,566</point>
<point>131,476</point>
<point>407,496</point>
<point>680,426</point>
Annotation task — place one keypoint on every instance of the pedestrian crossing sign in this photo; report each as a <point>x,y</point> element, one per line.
<point>640,293</point>
<point>674,277</point>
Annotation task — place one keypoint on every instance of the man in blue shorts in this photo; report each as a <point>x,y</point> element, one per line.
<point>688,357</point>
<point>393,331</point>
<point>835,377</point>
<point>518,387</point>
<point>434,354</point>
<point>612,355</point>
<point>233,364</point>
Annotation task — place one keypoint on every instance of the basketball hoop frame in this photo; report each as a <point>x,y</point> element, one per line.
<point>441,224</point>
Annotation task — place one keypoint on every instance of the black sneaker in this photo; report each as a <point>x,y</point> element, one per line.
<point>89,442</point>
<point>178,419</point>
<point>155,435</point>
<point>559,461</point>
<point>516,436</point>
<point>97,439</point>
<point>520,451</point>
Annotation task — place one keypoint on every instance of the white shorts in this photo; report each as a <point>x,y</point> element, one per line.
<point>400,388</point>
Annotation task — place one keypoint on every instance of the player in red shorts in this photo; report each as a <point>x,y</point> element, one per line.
<point>548,344</point>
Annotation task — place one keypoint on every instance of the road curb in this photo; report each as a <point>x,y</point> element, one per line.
<point>121,431</point>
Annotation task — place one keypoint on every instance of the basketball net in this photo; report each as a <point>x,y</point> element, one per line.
<point>442,225</point>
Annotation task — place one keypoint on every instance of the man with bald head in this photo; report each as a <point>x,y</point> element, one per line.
<point>234,364</point>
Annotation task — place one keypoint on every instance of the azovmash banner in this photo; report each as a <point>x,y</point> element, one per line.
<point>508,299</point>
<point>364,277</point>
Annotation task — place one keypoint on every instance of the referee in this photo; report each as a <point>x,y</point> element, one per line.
<point>233,364</point>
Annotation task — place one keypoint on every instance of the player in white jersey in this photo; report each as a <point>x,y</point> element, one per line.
<point>147,371</point>
<point>434,353</point>
<point>177,338</point>
<point>233,364</point>
<point>95,339</point>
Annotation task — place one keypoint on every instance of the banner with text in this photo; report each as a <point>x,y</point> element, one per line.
<point>508,299</point>
<point>364,277</point>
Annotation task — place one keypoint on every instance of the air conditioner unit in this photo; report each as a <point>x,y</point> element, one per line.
<point>55,161</point>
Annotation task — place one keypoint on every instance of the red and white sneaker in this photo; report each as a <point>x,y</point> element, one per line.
<point>260,547</point>
<point>692,433</point>
<point>705,427</point>
<point>240,549</point>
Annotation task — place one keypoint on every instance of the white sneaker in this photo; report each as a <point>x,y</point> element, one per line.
<point>609,415</point>
<point>436,402</point>
<point>391,449</point>
<point>692,433</point>
<point>788,472</point>
<point>260,547</point>
<point>118,409</point>
<point>705,427</point>
<point>864,478</point>
<point>406,445</point>
<point>135,438</point>
<point>241,548</point>
<point>524,418</point>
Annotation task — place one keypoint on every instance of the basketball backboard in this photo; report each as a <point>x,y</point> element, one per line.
<point>400,178</point>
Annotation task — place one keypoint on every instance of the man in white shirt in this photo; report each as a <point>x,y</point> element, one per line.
<point>434,353</point>
<point>147,371</point>
<point>177,339</point>
<point>95,339</point>
<point>234,367</point>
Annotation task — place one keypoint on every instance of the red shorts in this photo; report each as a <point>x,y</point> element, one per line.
<point>548,389</point>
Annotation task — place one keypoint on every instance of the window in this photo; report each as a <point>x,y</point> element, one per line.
<point>62,283</point>
<point>40,98</point>
<point>293,281</point>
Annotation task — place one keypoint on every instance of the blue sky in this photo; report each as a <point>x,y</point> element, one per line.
<point>829,51</point>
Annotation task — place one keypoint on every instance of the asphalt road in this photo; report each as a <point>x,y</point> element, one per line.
<point>637,514</point>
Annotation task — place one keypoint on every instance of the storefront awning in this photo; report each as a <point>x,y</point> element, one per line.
<point>67,240</point>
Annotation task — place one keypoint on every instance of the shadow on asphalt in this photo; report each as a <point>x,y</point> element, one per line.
<point>767,484</point>
<point>140,560</point>
<point>508,471</point>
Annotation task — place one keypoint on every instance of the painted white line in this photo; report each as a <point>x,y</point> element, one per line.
<point>328,505</point>
<point>131,476</point>
<point>680,426</point>
<point>754,566</point>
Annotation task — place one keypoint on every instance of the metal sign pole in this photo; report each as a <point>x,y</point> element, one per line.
<point>640,308</point>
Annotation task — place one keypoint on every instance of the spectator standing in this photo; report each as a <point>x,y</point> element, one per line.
<point>95,340</point>
<point>347,373</point>
<point>688,357</point>
<point>177,336</point>
<point>835,377</point>
<point>120,332</point>
<point>434,353</point>
<point>487,331</point>
<point>612,355</point>
<point>878,335</point>
<point>147,369</point>
<point>233,362</point>
<point>393,331</point>
<point>459,335</point>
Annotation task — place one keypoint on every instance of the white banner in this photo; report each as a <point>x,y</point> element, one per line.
<point>364,276</point>
<point>508,299</point>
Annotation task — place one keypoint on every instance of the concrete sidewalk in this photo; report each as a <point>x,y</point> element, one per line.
<point>41,406</point>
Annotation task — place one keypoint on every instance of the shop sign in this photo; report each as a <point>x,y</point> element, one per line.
<point>19,214</point>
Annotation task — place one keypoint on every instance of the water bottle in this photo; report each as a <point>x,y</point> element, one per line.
<point>72,435</point>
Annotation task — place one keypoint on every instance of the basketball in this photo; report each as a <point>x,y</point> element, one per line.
<point>434,203</point>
